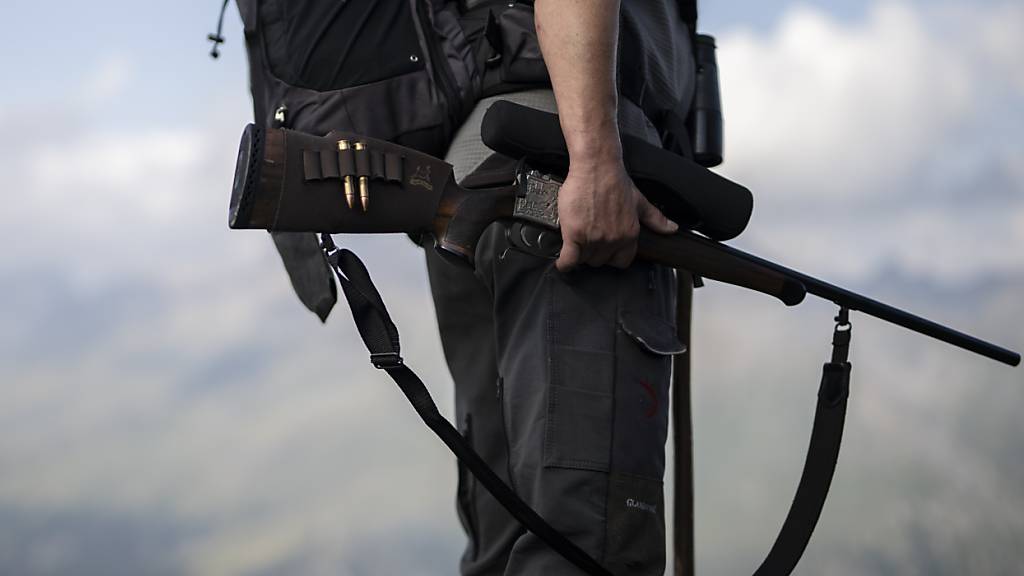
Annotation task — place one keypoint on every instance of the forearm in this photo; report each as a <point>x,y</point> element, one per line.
<point>599,209</point>
<point>578,39</point>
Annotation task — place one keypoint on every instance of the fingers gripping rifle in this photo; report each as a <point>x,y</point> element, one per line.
<point>291,181</point>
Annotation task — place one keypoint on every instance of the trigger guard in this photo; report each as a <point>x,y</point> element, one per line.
<point>534,240</point>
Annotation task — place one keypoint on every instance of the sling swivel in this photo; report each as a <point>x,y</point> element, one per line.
<point>841,337</point>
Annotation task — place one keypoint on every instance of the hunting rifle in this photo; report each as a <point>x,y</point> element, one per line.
<point>292,181</point>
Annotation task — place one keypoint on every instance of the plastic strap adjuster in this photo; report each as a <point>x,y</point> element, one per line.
<point>386,360</point>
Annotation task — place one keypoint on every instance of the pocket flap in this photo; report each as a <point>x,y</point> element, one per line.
<point>652,333</point>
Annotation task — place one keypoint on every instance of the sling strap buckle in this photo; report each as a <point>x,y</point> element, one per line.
<point>386,360</point>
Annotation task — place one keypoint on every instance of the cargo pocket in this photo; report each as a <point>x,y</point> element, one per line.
<point>578,429</point>
<point>466,495</point>
<point>645,344</point>
<point>326,46</point>
<point>514,60</point>
<point>522,61</point>
<point>380,69</point>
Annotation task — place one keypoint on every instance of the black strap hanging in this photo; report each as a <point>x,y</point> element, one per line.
<point>381,338</point>
<point>380,335</point>
<point>822,455</point>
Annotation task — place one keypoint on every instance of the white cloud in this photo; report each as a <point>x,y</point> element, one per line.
<point>889,141</point>
<point>103,178</point>
<point>999,37</point>
<point>106,80</point>
<point>821,108</point>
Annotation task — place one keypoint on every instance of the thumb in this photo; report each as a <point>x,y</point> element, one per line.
<point>653,218</point>
<point>569,257</point>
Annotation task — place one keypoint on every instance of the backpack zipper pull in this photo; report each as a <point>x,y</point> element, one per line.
<point>216,37</point>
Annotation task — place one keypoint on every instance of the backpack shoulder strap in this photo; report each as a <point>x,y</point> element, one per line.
<point>688,10</point>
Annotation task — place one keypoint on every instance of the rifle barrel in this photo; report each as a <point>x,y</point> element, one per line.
<point>853,301</point>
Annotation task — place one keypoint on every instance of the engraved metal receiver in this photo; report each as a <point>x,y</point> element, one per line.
<point>534,228</point>
<point>537,196</point>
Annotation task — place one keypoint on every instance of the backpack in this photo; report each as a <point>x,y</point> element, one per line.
<point>406,71</point>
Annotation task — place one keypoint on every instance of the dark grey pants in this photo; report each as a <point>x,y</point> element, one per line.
<point>562,386</point>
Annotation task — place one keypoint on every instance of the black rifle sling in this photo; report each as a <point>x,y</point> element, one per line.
<point>822,455</point>
<point>381,338</point>
<point>380,335</point>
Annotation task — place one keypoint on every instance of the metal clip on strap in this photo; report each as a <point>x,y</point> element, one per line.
<point>841,337</point>
<point>386,360</point>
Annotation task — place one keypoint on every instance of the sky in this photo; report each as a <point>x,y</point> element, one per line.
<point>168,407</point>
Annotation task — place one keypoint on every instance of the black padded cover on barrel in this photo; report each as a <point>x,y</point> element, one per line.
<point>691,195</point>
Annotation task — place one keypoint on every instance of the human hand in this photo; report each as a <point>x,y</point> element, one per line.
<point>600,212</point>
